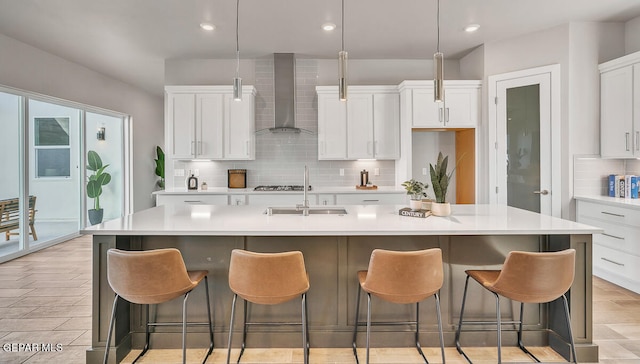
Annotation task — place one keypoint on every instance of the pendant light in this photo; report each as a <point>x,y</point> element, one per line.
<point>438,66</point>
<point>342,65</point>
<point>237,81</point>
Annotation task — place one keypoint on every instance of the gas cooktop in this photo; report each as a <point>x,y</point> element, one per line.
<point>280,188</point>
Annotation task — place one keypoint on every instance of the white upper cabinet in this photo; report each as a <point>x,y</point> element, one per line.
<point>204,122</point>
<point>619,108</point>
<point>332,127</point>
<point>460,108</point>
<point>366,126</point>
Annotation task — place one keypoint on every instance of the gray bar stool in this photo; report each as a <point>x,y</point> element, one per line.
<point>150,277</point>
<point>268,279</point>
<point>405,278</point>
<point>525,277</point>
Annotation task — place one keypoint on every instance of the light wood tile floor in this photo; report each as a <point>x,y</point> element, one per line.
<point>45,298</point>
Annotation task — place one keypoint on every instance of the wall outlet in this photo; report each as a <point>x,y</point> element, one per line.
<point>196,172</point>
<point>342,171</point>
<point>424,171</point>
<point>178,172</point>
<point>376,171</point>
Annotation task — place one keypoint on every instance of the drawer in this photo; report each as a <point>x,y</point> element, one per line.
<point>193,199</point>
<point>616,236</point>
<point>613,261</point>
<point>371,199</point>
<point>613,214</point>
<point>283,199</point>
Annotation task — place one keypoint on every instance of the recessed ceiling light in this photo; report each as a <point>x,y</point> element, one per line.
<point>471,28</point>
<point>328,26</point>
<point>207,26</point>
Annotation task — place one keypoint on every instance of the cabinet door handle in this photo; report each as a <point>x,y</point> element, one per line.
<point>446,115</point>
<point>611,213</point>
<point>199,147</point>
<point>612,261</point>
<point>322,148</point>
<point>637,140</point>
<point>192,201</point>
<point>441,115</point>
<point>370,200</point>
<point>193,144</point>
<point>613,236</point>
<point>626,141</point>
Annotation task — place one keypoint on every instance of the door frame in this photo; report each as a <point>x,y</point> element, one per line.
<point>497,178</point>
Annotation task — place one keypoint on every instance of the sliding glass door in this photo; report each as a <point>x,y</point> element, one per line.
<point>54,169</point>
<point>45,146</point>
<point>10,151</point>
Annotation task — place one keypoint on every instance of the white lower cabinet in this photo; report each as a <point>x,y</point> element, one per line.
<point>191,199</point>
<point>370,199</point>
<point>616,252</point>
<point>278,200</point>
<point>326,200</point>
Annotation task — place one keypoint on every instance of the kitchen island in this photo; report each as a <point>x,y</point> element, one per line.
<point>335,247</point>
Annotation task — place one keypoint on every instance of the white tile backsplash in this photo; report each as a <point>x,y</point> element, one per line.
<point>281,157</point>
<point>591,173</point>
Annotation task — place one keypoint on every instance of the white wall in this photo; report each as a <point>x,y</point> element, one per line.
<point>632,36</point>
<point>31,69</point>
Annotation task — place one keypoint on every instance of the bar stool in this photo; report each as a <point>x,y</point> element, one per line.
<point>525,277</point>
<point>401,277</point>
<point>268,279</point>
<point>151,277</point>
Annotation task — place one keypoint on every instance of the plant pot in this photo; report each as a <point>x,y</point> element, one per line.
<point>440,209</point>
<point>415,205</point>
<point>95,216</point>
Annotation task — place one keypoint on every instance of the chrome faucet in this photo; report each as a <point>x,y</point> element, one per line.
<point>305,203</point>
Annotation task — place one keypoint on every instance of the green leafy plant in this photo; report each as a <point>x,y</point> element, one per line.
<point>98,179</point>
<point>160,166</point>
<point>439,177</point>
<point>415,188</point>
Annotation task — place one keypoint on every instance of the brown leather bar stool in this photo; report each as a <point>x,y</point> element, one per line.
<point>268,279</point>
<point>405,278</point>
<point>150,277</point>
<point>525,277</point>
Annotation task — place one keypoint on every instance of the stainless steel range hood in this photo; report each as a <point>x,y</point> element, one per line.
<point>284,90</point>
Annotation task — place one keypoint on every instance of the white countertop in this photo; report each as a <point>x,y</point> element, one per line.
<point>250,191</point>
<point>612,201</point>
<point>251,220</point>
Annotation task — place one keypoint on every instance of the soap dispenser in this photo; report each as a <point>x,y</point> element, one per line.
<point>192,183</point>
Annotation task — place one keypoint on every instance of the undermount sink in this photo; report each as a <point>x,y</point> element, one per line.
<point>300,211</point>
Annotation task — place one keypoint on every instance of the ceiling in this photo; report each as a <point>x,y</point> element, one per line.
<point>130,39</point>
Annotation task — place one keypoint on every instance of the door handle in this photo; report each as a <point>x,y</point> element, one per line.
<point>626,141</point>
<point>543,192</point>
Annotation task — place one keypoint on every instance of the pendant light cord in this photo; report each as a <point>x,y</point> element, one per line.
<point>237,39</point>
<point>438,25</point>
<point>342,25</point>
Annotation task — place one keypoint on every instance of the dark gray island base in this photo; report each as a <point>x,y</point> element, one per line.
<point>332,261</point>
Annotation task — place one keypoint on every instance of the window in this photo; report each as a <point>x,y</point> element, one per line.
<point>52,149</point>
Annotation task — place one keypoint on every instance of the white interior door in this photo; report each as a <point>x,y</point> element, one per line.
<point>526,150</point>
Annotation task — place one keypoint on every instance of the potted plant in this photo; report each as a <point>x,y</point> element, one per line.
<point>98,179</point>
<point>415,189</point>
<point>440,180</point>
<point>160,166</point>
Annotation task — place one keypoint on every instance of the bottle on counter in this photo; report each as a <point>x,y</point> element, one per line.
<point>192,183</point>
<point>204,186</point>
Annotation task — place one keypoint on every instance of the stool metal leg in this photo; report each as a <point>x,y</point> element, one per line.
<point>520,342</point>
<point>464,299</point>
<point>417,335</point>
<point>568,316</point>
<point>437,295</point>
<point>306,320</point>
<point>206,285</point>
<point>233,311</point>
<point>111,322</point>
<point>305,343</point>
<point>244,329</point>
<point>355,326</point>
<point>147,336</point>
<point>499,330</point>
<point>184,328</point>
<point>368,323</point>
